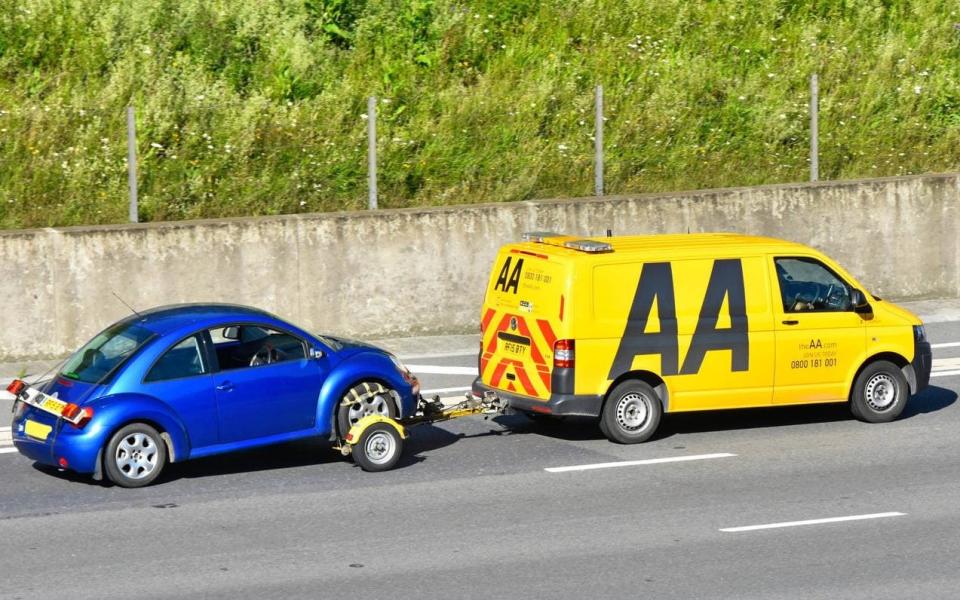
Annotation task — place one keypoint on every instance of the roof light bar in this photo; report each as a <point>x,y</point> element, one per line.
<point>588,246</point>
<point>538,236</point>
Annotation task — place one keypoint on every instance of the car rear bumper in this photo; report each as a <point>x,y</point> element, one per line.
<point>557,404</point>
<point>79,448</point>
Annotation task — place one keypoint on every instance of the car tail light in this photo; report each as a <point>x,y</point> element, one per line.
<point>16,386</point>
<point>563,354</point>
<point>64,463</point>
<point>76,415</point>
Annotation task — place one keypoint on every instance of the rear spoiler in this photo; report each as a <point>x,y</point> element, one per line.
<point>566,241</point>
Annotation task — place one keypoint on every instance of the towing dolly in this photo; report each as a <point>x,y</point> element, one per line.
<point>376,441</point>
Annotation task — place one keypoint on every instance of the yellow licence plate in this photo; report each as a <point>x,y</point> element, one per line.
<point>53,405</point>
<point>37,430</point>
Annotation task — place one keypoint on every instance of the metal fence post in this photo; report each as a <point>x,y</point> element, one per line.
<point>598,143</point>
<point>132,164</point>
<point>372,152</point>
<point>814,128</point>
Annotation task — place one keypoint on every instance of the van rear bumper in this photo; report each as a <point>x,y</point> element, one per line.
<point>558,404</point>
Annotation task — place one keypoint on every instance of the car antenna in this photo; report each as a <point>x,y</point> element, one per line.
<point>127,305</point>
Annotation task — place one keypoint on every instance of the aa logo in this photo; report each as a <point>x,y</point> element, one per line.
<point>509,280</point>
<point>656,283</point>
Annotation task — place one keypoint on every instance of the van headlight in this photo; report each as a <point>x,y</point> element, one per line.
<point>919,333</point>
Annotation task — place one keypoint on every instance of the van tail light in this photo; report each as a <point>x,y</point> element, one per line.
<point>16,386</point>
<point>563,354</point>
<point>75,415</point>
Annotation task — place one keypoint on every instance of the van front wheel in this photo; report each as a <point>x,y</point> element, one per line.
<point>631,413</point>
<point>879,393</point>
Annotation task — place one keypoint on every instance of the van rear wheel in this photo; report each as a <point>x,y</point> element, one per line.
<point>631,413</point>
<point>880,393</point>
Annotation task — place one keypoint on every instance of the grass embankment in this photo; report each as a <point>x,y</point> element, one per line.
<point>251,107</point>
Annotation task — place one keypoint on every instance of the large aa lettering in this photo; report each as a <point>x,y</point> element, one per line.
<point>656,283</point>
<point>508,281</point>
<point>726,281</point>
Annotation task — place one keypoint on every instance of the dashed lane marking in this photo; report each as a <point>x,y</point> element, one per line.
<point>812,522</point>
<point>634,463</point>
<point>442,370</point>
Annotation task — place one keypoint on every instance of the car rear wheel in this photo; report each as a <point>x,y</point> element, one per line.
<point>367,398</point>
<point>135,456</point>
<point>631,413</point>
<point>880,393</point>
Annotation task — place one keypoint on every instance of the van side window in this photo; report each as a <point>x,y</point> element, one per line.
<point>807,285</point>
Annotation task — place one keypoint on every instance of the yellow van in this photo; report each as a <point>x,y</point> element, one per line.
<point>627,328</point>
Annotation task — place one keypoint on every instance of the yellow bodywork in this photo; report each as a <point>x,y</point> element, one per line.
<point>731,342</point>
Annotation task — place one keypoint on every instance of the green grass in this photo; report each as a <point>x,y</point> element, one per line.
<point>255,107</point>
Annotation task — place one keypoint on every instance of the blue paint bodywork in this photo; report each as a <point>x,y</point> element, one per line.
<point>222,410</point>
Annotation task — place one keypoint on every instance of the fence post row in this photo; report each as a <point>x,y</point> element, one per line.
<point>598,143</point>
<point>132,164</point>
<point>814,128</point>
<point>372,152</point>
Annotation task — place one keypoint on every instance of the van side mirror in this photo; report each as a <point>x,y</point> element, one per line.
<point>859,302</point>
<point>231,333</point>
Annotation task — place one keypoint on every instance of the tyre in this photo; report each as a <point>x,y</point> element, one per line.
<point>880,393</point>
<point>631,413</point>
<point>379,448</point>
<point>367,398</point>
<point>135,456</point>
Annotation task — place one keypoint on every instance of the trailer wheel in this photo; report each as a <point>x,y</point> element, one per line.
<point>378,449</point>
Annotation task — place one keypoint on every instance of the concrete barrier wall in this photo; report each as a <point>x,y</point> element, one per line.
<point>420,271</point>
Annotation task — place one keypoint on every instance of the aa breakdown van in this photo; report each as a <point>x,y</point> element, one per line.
<point>627,328</point>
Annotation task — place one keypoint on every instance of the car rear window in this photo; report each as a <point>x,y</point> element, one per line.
<point>108,350</point>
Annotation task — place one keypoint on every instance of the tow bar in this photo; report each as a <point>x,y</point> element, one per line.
<point>376,441</point>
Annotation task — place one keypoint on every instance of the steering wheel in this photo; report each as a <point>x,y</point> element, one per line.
<point>267,355</point>
<point>835,298</point>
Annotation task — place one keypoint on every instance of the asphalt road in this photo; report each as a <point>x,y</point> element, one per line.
<point>473,512</point>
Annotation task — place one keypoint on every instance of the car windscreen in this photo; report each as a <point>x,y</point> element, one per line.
<point>105,352</point>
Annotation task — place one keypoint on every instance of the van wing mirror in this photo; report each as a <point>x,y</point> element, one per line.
<point>859,302</point>
<point>231,333</point>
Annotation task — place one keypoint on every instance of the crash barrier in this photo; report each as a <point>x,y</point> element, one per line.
<point>423,271</point>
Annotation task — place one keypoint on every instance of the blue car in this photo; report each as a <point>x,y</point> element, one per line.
<point>192,380</point>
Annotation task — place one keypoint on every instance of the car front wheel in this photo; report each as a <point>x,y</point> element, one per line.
<point>135,456</point>
<point>363,399</point>
<point>880,393</point>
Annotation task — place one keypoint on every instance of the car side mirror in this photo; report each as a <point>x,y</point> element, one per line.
<point>316,353</point>
<point>859,302</point>
<point>231,333</point>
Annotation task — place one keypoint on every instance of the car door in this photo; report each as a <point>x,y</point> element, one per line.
<point>819,336</point>
<point>182,379</point>
<point>272,389</point>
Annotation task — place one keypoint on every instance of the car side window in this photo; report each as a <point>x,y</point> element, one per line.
<point>240,346</point>
<point>807,285</point>
<point>183,360</point>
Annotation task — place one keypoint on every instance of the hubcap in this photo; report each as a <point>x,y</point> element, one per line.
<point>380,447</point>
<point>136,456</point>
<point>632,411</point>
<point>881,392</point>
<point>376,404</point>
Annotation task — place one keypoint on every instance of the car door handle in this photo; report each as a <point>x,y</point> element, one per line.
<point>791,322</point>
<point>226,386</point>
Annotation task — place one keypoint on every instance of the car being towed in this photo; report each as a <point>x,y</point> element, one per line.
<point>192,380</point>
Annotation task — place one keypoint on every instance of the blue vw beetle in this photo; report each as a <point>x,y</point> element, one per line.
<point>191,380</point>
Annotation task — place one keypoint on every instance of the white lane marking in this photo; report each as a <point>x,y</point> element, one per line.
<point>5,395</point>
<point>449,390</point>
<point>945,373</point>
<point>946,363</point>
<point>7,450</point>
<point>406,357</point>
<point>442,370</point>
<point>6,438</point>
<point>946,345</point>
<point>813,522</point>
<point>633,463</point>
<point>2,429</point>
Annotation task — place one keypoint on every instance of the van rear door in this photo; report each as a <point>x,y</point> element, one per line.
<point>522,314</point>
